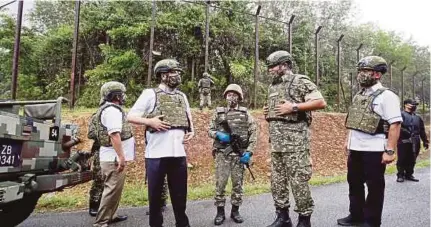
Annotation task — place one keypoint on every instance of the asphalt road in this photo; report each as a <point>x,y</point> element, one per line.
<point>406,205</point>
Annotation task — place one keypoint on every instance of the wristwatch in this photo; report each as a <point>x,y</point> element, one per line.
<point>389,151</point>
<point>295,107</point>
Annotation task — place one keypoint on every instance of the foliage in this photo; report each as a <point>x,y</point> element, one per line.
<point>114,39</point>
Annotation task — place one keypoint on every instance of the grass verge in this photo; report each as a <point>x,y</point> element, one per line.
<point>135,194</point>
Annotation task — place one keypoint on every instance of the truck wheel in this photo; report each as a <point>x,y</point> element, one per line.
<point>13,213</point>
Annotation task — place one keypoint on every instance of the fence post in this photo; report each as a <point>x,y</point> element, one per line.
<point>290,33</point>
<point>316,53</point>
<point>339,70</point>
<point>16,49</point>
<point>75,48</point>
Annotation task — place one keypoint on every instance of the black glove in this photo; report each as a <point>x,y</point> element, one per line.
<point>426,145</point>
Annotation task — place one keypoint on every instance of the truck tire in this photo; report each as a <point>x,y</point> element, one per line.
<point>13,213</point>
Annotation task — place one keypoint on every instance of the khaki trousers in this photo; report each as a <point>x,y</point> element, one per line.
<point>113,187</point>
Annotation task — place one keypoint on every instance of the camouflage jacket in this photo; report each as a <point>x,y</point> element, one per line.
<point>98,131</point>
<point>240,121</point>
<point>290,133</point>
<point>361,115</point>
<point>173,107</point>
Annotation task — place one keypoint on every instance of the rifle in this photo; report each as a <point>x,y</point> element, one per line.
<point>235,144</point>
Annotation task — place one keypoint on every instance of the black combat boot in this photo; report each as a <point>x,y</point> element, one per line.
<point>234,214</point>
<point>412,178</point>
<point>94,207</point>
<point>282,219</point>
<point>350,221</point>
<point>304,221</point>
<point>220,217</point>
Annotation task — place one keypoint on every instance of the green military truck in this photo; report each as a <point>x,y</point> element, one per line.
<point>35,156</point>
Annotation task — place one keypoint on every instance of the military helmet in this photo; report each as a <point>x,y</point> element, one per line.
<point>278,57</point>
<point>375,63</point>
<point>166,65</point>
<point>109,88</point>
<point>235,88</point>
<point>205,74</point>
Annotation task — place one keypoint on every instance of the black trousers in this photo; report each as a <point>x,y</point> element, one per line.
<point>176,171</point>
<point>366,168</point>
<point>407,154</point>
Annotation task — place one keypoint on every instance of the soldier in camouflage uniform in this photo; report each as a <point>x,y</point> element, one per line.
<point>241,123</point>
<point>117,145</point>
<point>291,97</point>
<point>97,185</point>
<point>205,85</point>
<point>374,120</point>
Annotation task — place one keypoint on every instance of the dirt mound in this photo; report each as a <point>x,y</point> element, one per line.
<point>327,137</point>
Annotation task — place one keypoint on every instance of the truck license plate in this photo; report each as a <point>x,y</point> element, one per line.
<point>10,153</point>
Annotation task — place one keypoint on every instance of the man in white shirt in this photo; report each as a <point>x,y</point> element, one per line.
<point>165,138</point>
<point>117,146</point>
<point>374,120</point>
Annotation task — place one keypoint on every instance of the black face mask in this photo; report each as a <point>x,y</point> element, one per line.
<point>413,108</point>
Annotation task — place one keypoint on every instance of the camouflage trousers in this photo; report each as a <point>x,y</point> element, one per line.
<point>98,181</point>
<point>294,169</point>
<point>205,100</point>
<point>228,166</point>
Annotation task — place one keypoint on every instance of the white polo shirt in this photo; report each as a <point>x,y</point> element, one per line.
<point>111,118</point>
<point>165,143</point>
<point>387,105</point>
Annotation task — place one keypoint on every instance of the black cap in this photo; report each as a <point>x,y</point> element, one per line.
<point>410,101</point>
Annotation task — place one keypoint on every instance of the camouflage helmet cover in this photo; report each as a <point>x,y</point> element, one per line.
<point>109,87</point>
<point>166,65</point>
<point>375,63</point>
<point>278,57</point>
<point>205,74</point>
<point>235,88</point>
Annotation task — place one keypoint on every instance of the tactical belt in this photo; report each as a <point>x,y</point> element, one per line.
<point>302,116</point>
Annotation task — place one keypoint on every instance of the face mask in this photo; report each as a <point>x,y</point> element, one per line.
<point>232,100</point>
<point>366,79</point>
<point>173,80</point>
<point>276,76</point>
<point>413,108</point>
<point>123,99</point>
